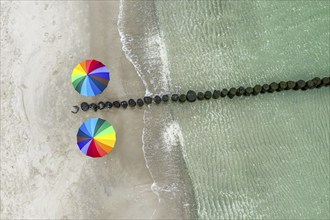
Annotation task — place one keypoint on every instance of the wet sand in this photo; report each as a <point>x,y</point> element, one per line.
<point>43,173</point>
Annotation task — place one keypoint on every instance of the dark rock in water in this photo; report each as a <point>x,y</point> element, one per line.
<point>326,81</point>
<point>124,104</point>
<point>108,104</point>
<point>291,85</point>
<point>140,102</point>
<point>224,93</point>
<point>132,103</point>
<point>84,106</point>
<point>116,104</point>
<point>317,82</point>
<point>101,105</point>
<point>300,84</point>
<point>309,85</point>
<point>157,99</point>
<point>240,91</point>
<point>264,88</point>
<point>182,98</point>
<point>93,106</point>
<point>200,96</point>
<point>248,91</point>
<point>175,97</point>
<point>208,95</point>
<point>191,96</point>
<point>232,93</point>
<point>165,98</point>
<point>256,89</point>
<point>147,100</point>
<point>273,87</point>
<point>216,94</point>
<point>282,86</point>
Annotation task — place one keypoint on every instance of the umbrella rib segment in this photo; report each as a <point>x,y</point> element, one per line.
<point>99,124</point>
<point>100,149</point>
<point>105,147</point>
<point>94,87</point>
<point>103,127</point>
<point>85,148</point>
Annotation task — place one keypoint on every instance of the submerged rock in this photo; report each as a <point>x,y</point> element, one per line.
<point>157,99</point>
<point>182,98</point>
<point>191,96</point>
<point>175,97</point>
<point>208,95</point>
<point>165,98</point>
<point>216,94</point>
<point>200,96</point>
<point>147,100</point>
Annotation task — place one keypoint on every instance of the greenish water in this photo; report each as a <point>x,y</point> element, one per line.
<point>256,157</point>
<point>249,157</point>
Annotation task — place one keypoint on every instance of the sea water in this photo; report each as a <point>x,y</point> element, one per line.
<point>264,156</point>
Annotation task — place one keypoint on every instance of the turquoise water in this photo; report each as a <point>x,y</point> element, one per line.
<point>250,157</point>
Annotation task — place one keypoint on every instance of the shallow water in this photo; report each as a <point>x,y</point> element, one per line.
<point>255,157</point>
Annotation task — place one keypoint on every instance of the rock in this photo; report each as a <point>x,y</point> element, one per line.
<point>256,89</point>
<point>116,104</point>
<point>191,96</point>
<point>240,91</point>
<point>291,85</point>
<point>264,88</point>
<point>309,85</point>
<point>140,102</point>
<point>200,96</point>
<point>158,99</point>
<point>182,98</point>
<point>84,106</point>
<point>132,103</point>
<point>175,97</point>
<point>208,95</point>
<point>273,87</point>
<point>224,93</point>
<point>317,82</point>
<point>93,106</point>
<point>300,84</point>
<point>216,94</point>
<point>165,98</point>
<point>282,86</point>
<point>232,93</point>
<point>147,100</point>
<point>248,91</point>
<point>101,105</point>
<point>325,81</point>
<point>124,104</point>
<point>75,109</point>
<point>108,104</point>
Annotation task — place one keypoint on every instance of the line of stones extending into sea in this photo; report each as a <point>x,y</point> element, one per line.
<point>192,96</point>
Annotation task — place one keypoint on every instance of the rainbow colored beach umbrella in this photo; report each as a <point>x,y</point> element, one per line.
<point>96,137</point>
<point>90,77</point>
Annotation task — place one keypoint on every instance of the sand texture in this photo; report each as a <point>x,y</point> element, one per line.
<point>43,173</point>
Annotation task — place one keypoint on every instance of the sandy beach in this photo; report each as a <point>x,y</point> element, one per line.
<point>43,173</point>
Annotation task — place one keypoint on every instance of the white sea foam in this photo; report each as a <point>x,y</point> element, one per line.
<point>153,67</point>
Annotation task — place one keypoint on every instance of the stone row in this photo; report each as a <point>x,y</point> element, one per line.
<point>192,96</point>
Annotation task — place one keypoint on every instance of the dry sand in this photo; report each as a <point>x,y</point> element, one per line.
<point>43,173</point>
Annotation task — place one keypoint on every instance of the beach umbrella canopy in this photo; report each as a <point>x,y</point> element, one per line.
<point>96,137</point>
<point>90,77</point>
